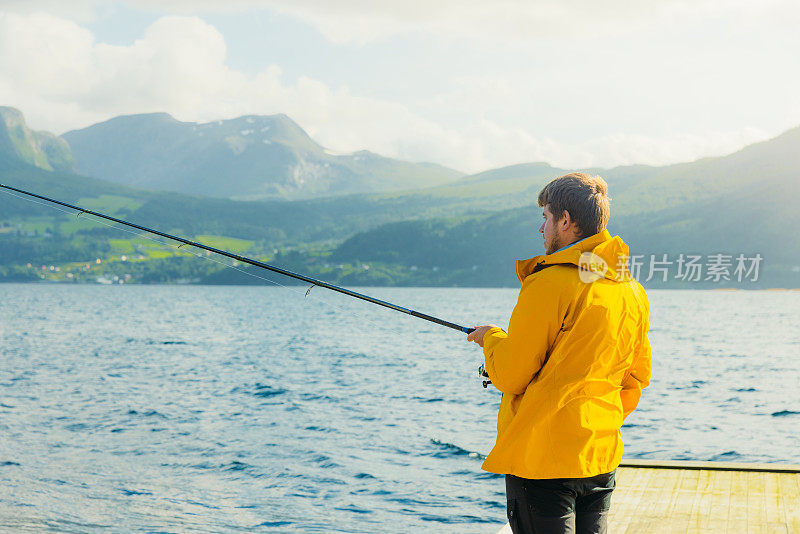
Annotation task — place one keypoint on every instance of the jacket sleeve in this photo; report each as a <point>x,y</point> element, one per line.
<point>638,375</point>
<point>513,359</point>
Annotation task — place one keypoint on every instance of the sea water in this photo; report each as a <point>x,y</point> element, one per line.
<point>224,409</point>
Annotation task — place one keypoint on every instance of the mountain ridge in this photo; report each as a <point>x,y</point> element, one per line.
<point>248,158</point>
<point>739,203</point>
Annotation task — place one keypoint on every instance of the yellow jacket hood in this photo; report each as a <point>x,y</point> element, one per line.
<point>599,255</point>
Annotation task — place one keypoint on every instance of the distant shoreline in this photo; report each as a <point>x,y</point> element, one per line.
<point>205,284</point>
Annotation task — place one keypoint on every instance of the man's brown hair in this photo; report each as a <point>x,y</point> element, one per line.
<point>585,197</point>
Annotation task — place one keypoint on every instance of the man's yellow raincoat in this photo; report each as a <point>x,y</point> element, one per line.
<point>573,363</point>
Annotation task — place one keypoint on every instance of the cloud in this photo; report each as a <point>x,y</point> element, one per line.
<point>74,10</point>
<point>61,78</point>
<point>626,149</point>
<point>362,21</point>
<point>48,61</point>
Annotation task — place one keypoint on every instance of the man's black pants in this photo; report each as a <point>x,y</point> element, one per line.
<point>559,505</point>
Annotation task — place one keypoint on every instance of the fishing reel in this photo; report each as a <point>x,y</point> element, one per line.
<point>483,374</point>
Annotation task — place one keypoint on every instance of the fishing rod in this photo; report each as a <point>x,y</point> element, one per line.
<point>256,263</point>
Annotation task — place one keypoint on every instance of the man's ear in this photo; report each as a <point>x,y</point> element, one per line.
<point>566,220</point>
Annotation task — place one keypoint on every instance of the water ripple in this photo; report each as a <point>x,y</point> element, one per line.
<point>197,410</point>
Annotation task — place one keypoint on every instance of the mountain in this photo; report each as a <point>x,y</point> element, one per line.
<point>467,232</point>
<point>509,173</point>
<point>641,189</point>
<point>644,189</point>
<point>247,158</point>
<point>743,203</point>
<point>40,149</point>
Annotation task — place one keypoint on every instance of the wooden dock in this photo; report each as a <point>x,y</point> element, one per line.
<point>708,497</point>
<point>705,497</point>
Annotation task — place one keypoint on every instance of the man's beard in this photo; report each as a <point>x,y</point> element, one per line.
<point>555,244</point>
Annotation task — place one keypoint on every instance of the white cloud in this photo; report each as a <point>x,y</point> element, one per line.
<point>626,149</point>
<point>44,54</point>
<point>46,62</point>
<point>75,10</point>
<point>362,21</point>
<point>61,78</point>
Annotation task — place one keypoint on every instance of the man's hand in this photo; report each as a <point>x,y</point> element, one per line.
<point>479,332</point>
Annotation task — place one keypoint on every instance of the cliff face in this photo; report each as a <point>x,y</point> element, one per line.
<point>40,149</point>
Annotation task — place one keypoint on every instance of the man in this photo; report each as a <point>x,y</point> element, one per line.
<point>571,367</point>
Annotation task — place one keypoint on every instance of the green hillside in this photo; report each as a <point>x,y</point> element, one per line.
<point>481,250</point>
<point>712,178</point>
<point>465,233</point>
<point>738,204</point>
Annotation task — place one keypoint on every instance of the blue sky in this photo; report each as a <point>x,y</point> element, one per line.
<point>472,85</point>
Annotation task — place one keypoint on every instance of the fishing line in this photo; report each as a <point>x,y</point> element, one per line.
<point>98,219</point>
<point>316,297</point>
<point>209,258</point>
<point>153,239</point>
<point>242,259</point>
<point>245,354</point>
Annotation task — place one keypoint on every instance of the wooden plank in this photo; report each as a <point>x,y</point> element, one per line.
<point>623,498</point>
<point>790,495</point>
<point>670,480</point>
<point>737,512</point>
<point>646,492</point>
<point>756,501</point>
<point>720,501</point>
<point>643,490</point>
<point>680,508</point>
<point>776,528</point>
<point>773,505</point>
<point>701,507</point>
<point>642,512</point>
